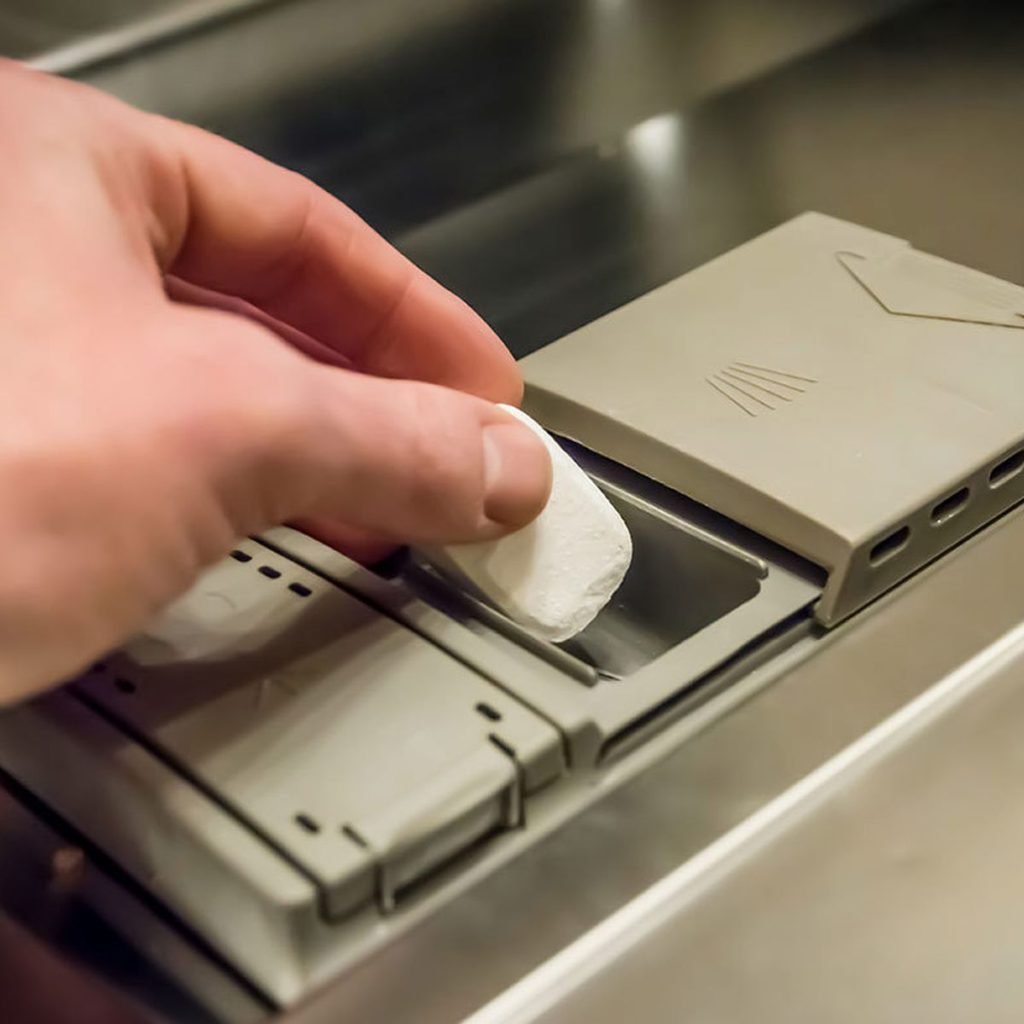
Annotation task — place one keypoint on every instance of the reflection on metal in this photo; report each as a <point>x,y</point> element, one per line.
<point>588,956</point>
<point>657,143</point>
<point>655,156</point>
<point>140,34</point>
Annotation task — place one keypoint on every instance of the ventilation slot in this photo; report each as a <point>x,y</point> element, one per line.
<point>1007,469</point>
<point>488,712</point>
<point>350,833</point>
<point>305,822</point>
<point>270,572</point>
<point>889,546</point>
<point>949,507</point>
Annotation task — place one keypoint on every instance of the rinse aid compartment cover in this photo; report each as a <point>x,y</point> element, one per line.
<point>825,385</point>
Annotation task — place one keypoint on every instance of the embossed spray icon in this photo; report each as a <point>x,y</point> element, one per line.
<point>758,389</point>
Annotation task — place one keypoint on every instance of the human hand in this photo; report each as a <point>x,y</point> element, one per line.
<point>145,424</point>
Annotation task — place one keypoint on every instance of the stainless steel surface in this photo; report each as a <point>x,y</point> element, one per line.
<point>909,128</point>
<point>55,33</point>
<point>122,30</point>
<point>29,27</point>
<point>467,85</point>
<point>883,886</point>
<point>646,617</point>
<point>40,986</point>
<point>50,884</point>
<point>705,776</point>
<point>550,162</point>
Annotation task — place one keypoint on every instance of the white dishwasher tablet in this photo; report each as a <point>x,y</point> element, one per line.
<point>554,575</point>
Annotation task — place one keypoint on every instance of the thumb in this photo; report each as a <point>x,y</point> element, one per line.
<point>406,460</point>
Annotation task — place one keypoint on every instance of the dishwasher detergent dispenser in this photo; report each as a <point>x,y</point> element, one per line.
<point>302,759</point>
<point>826,385</point>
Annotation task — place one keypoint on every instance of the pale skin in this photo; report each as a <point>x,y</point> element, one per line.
<point>196,345</point>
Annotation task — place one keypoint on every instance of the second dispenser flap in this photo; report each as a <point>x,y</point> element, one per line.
<point>359,750</point>
<point>825,385</point>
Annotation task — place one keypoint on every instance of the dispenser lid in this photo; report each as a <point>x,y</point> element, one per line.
<point>358,750</point>
<point>825,385</point>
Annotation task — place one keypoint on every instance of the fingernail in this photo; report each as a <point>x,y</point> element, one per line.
<point>517,474</point>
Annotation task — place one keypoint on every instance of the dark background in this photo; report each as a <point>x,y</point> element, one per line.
<point>552,160</point>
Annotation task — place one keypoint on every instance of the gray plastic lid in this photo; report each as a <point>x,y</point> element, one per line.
<point>359,751</point>
<point>825,385</point>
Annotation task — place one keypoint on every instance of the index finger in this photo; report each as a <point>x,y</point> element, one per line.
<point>243,226</point>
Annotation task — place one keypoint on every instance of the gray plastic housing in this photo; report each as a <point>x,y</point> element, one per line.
<point>364,754</point>
<point>274,756</point>
<point>302,758</point>
<point>826,385</point>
